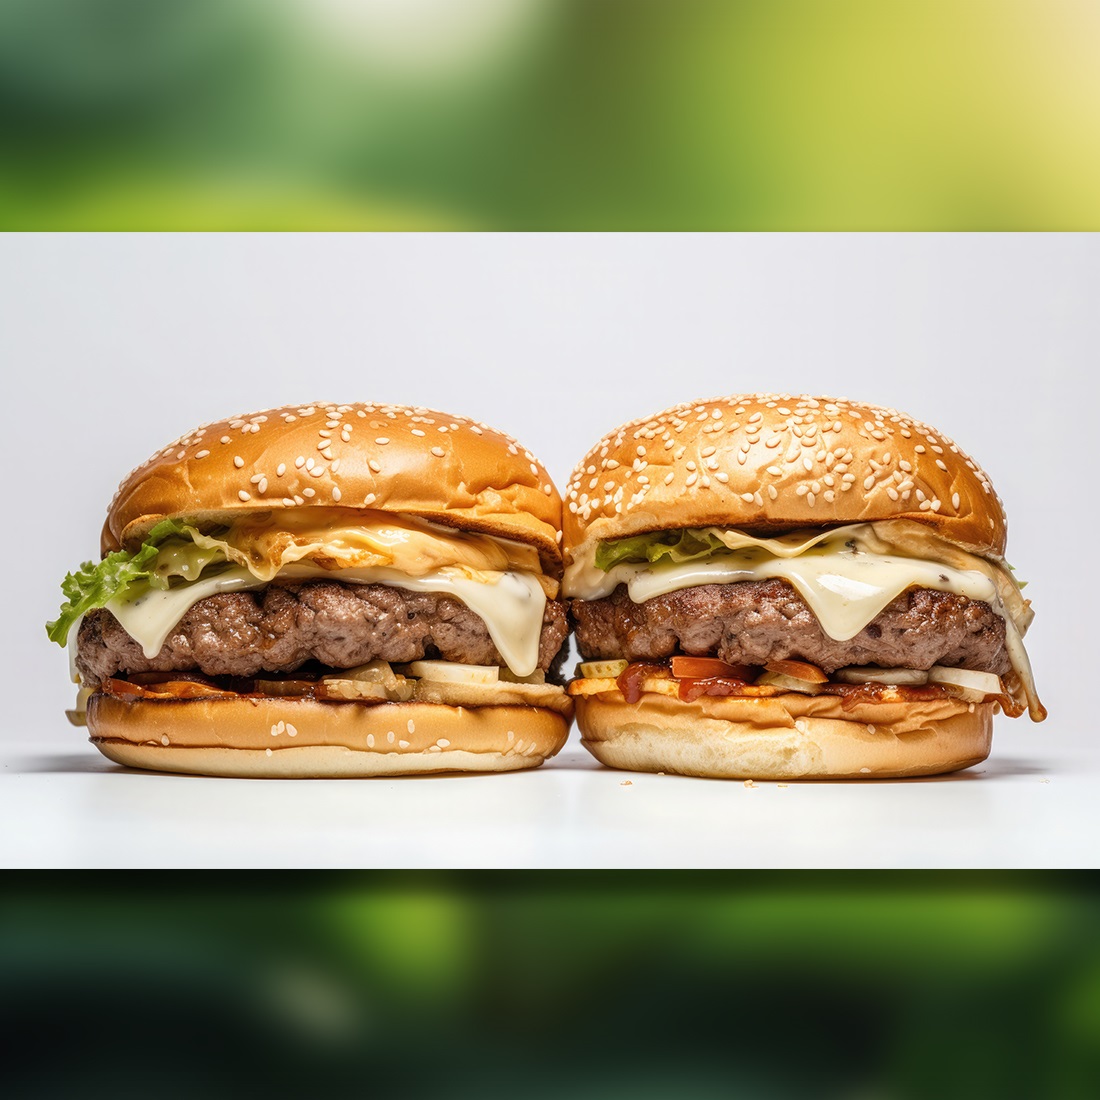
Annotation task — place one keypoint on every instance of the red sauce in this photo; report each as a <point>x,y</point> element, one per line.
<point>712,685</point>
<point>630,679</point>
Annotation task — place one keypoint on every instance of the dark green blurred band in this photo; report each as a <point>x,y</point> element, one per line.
<point>568,985</point>
<point>549,114</point>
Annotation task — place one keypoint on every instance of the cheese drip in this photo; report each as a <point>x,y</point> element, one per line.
<point>846,576</point>
<point>510,603</point>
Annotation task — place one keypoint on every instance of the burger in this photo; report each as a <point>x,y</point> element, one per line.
<point>325,590</point>
<point>765,586</point>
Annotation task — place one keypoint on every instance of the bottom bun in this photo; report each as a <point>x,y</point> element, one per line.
<point>306,739</point>
<point>788,736</point>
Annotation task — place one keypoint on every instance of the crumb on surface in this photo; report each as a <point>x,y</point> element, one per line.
<point>749,783</point>
<point>627,783</point>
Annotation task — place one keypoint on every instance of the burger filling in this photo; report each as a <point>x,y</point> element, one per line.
<point>889,595</point>
<point>274,592</point>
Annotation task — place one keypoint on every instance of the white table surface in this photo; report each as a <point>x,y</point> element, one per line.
<point>64,805</point>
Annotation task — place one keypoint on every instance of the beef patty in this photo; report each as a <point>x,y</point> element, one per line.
<point>754,622</point>
<point>280,628</point>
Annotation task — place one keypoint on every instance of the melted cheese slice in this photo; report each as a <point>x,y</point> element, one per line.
<point>510,603</point>
<point>267,542</point>
<point>843,576</point>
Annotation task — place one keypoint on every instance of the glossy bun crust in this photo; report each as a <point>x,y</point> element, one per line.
<point>394,458</point>
<point>773,462</point>
<point>303,739</point>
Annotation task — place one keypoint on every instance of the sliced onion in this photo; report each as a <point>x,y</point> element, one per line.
<point>450,672</point>
<point>332,688</point>
<point>869,674</point>
<point>374,672</point>
<point>601,670</point>
<point>968,684</point>
<point>789,683</point>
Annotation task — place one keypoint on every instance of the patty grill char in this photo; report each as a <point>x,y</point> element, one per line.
<point>281,627</point>
<point>755,622</point>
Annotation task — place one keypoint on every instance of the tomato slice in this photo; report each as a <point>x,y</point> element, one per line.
<point>709,668</point>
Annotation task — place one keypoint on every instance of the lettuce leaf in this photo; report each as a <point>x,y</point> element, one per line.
<point>95,584</point>
<point>689,544</point>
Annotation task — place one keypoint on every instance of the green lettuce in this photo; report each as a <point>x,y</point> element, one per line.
<point>95,584</point>
<point>690,544</point>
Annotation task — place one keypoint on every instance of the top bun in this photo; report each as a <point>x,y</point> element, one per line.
<point>772,462</point>
<point>390,458</point>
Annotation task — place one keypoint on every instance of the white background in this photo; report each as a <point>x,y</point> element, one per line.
<point>112,345</point>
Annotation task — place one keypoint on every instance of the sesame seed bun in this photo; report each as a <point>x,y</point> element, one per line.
<point>303,738</point>
<point>392,458</point>
<point>787,736</point>
<point>773,462</point>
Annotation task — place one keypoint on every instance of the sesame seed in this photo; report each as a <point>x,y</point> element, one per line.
<point>374,465</point>
<point>201,454</point>
<point>336,494</point>
<point>955,501</point>
<point>307,492</point>
<point>438,452</point>
<point>723,477</point>
<point>243,495</point>
<point>280,469</point>
<point>238,461</point>
<point>382,440</point>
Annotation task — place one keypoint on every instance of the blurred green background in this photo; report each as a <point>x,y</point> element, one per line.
<point>549,114</point>
<point>574,986</point>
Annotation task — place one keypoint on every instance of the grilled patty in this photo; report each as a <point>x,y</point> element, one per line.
<point>754,622</point>
<point>280,628</point>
